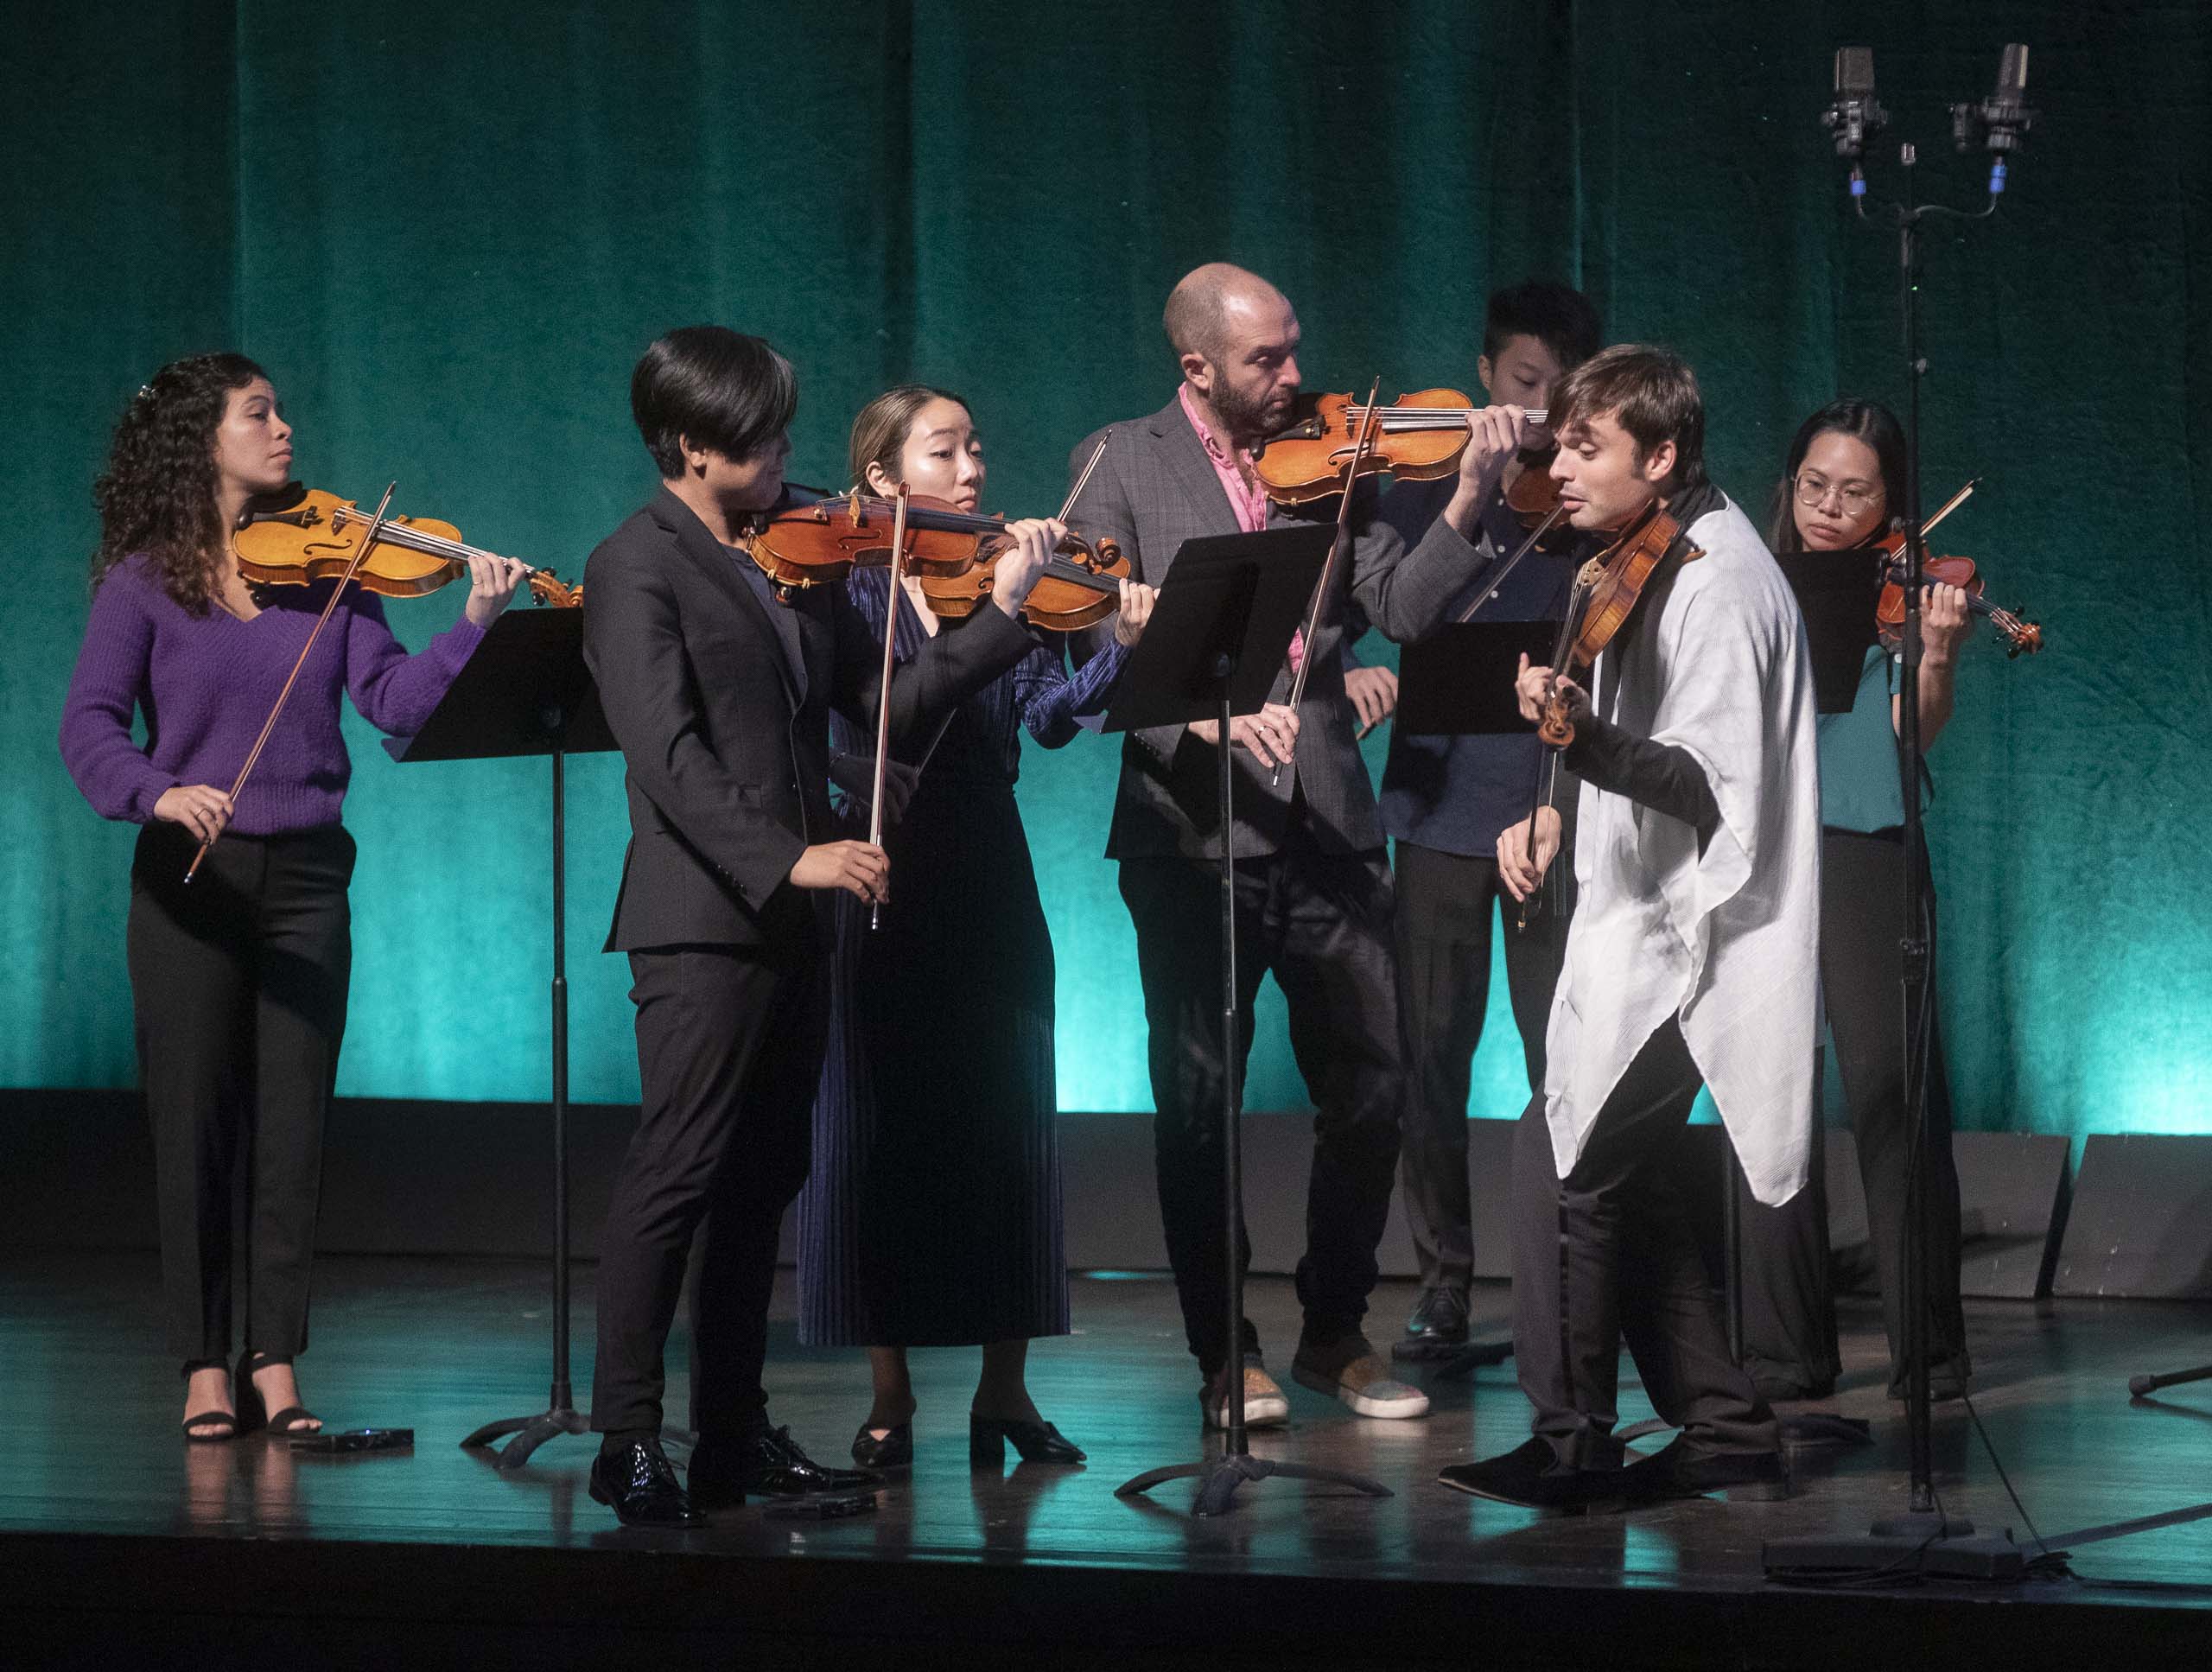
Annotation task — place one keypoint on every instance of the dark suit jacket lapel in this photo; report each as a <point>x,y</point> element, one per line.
<point>694,540</point>
<point>1176,443</point>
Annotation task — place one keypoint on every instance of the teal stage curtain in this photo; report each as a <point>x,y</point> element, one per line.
<point>450,229</point>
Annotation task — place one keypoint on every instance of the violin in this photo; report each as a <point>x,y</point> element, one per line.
<point>823,541</point>
<point>1600,602</point>
<point>1534,499</point>
<point>1417,438</point>
<point>1605,595</point>
<point>949,551</point>
<point>2021,637</point>
<point>301,535</point>
<point>1071,592</point>
<point>298,535</point>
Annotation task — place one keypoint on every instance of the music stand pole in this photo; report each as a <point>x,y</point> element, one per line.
<point>526,691</point>
<point>560,1415</point>
<point>1220,614</point>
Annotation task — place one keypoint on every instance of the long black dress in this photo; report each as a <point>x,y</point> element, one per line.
<point>931,1213</point>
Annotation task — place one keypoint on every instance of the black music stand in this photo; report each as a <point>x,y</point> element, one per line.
<point>1457,681</point>
<point>1211,652</point>
<point>1836,592</point>
<point>526,691</point>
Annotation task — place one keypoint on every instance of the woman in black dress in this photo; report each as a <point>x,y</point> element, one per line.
<point>931,1214</point>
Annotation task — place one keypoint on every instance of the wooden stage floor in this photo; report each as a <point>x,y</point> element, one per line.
<point>116,1538</point>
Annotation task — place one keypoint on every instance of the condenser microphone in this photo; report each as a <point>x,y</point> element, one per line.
<point>1853,116</point>
<point>1999,121</point>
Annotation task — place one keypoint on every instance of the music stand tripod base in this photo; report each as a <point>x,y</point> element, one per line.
<point>530,1432</point>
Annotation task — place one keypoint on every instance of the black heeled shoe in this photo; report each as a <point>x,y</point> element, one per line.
<point>1037,1442</point>
<point>253,1410</point>
<point>894,1450</point>
<point>209,1426</point>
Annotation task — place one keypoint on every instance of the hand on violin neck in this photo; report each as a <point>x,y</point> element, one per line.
<point>1030,545</point>
<point>492,583</point>
<point>1535,686</point>
<point>1946,623</point>
<point>1496,436</point>
<point>1137,599</point>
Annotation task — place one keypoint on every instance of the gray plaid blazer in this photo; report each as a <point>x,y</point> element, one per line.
<point>1156,488</point>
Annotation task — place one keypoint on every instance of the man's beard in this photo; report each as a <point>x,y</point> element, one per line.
<point>1248,422</point>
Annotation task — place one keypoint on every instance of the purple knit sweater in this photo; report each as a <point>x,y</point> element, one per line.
<point>206,683</point>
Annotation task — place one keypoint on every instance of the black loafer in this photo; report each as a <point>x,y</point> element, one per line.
<point>639,1484</point>
<point>1038,1442</point>
<point>1436,1328</point>
<point>765,1464</point>
<point>1532,1475</point>
<point>1680,1471</point>
<point>894,1450</point>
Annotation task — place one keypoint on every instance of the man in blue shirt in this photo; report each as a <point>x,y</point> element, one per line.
<point>1444,800</point>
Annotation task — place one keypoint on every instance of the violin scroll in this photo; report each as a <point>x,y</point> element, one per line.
<point>547,587</point>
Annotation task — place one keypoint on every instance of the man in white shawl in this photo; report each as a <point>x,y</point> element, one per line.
<point>1693,959</point>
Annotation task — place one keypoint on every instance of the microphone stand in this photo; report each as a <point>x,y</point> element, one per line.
<point>1924,1539</point>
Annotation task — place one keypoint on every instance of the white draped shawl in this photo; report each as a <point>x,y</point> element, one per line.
<point>1729,940</point>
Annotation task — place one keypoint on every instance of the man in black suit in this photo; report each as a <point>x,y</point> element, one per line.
<point>1314,891</point>
<point>718,693</point>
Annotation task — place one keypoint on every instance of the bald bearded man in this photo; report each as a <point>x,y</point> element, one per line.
<point>1313,888</point>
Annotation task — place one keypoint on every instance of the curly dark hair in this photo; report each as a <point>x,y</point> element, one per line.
<point>157,494</point>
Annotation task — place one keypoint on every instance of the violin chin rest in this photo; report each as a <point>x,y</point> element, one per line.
<point>282,499</point>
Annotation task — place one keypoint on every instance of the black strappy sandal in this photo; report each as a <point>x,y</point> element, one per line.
<point>253,1411</point>
<point>194,1425</point>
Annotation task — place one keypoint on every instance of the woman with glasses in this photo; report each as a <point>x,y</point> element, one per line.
<point>1843,483</point>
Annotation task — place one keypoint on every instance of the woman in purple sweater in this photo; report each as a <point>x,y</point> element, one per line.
<point>238,982</point>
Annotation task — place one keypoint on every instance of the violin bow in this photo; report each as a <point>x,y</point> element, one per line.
<point>883,690</point>
<point>1084,481</point>
<point>1505,570</point>
<point>368,541</point>
<point>1369,423</point>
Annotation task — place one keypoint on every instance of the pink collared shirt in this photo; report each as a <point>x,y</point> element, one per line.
<point>1248,499</point>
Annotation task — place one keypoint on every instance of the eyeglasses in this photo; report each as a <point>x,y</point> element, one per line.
<point>1812,490</point>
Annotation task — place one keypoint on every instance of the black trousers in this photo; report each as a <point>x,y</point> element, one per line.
<point>1447,903</point>
<point>729,1049</point>
<point>1789,1329</point>
<point>237,986</point>
<point>1608,1252</point>
<point>1321,923</point>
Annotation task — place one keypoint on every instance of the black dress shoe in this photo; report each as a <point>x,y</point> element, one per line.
<point>765,1463</point>
<point>1681,1470</point>
<point>1437,1326</point>
<point>1532,1475</point>
<point>639,1484</point>
<point>895,1450</point>
<point>1038,1442</point>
